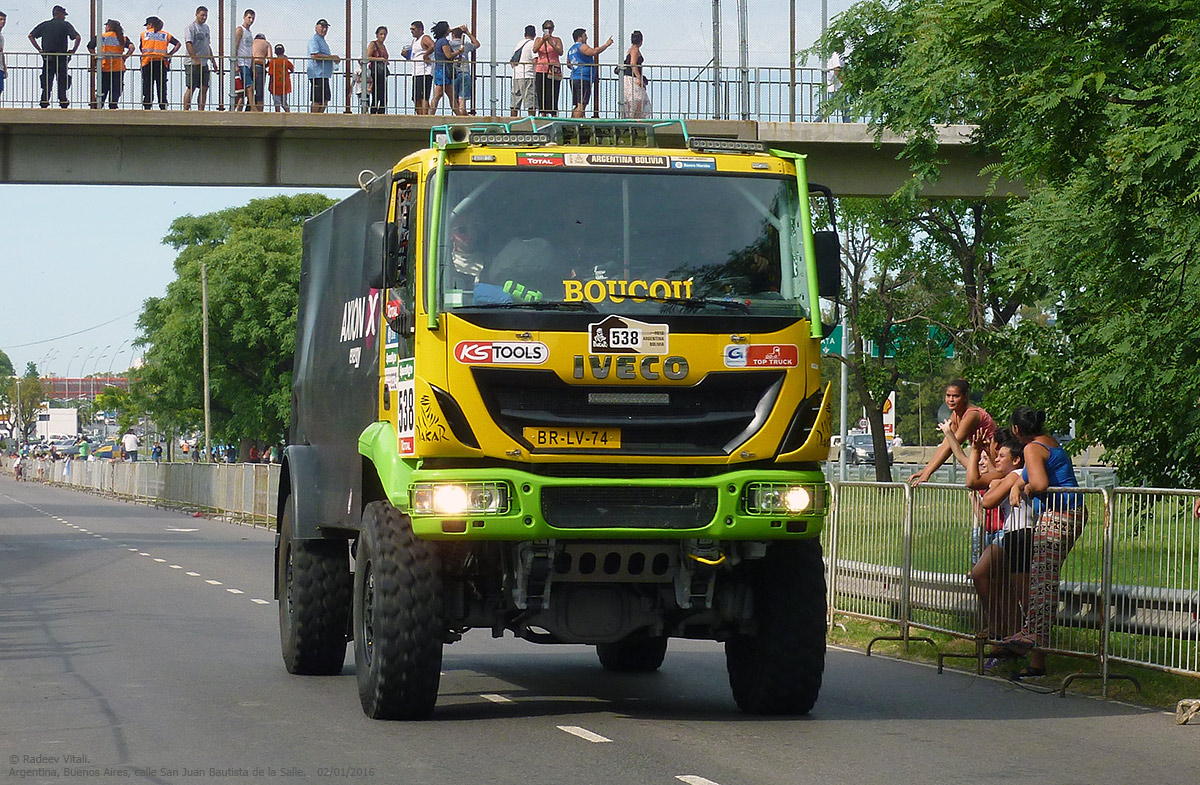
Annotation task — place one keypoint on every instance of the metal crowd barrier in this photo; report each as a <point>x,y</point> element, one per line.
<point>682,91</point>
<point>240,491</point>
<point>1129,589</point>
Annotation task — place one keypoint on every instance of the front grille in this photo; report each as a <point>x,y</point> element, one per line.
<point>638,507</point>
<point>711,417</point>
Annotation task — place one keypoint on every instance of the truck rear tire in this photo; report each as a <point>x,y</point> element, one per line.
<point>778,669</point>
<point>639,653</point>
<point>314,600</point>
<point>398,618</point>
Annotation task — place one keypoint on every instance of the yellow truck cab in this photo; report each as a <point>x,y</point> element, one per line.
<point>561,379</point>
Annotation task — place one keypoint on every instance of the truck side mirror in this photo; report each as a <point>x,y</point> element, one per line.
<point>829,264</point>
<point>394,252</point>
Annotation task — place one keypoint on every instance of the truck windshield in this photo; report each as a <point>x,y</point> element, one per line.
<point>621,242</point>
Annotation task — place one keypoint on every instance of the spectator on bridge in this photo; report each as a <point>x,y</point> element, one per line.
<point>444,59</point>
<point>243,46</point>
<point>198,40</point>
<point>156,452</point>
<point>376,58</point>
<point>320,67</point>
<point>419,53</point>
<point>582,59</point>
<point>280,69</point>
<point>54,33</point>
<point>157,47</point>
<point>1061,517</point>
<point>634,81</point>
<point>260,55</point>
<point>464,43</point>
<point>968,422</point>
<point>115,47</point>
<point>548,71</point>
<point>129,443</point>
<point>524,85</point>
<point>3,65</point>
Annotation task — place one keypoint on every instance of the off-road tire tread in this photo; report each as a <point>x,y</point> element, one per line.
<point>401,682</point>
<point>314,642</point>
<point>778,670</point>
<point>635,654</point>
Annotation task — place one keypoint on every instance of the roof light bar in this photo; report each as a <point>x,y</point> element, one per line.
<point>714,145</point>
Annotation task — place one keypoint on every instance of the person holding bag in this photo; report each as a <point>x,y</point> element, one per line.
<point>634,81</point>
<point>548,70</point>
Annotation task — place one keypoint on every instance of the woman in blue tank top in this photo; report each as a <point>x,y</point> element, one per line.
<point>1061,517</point>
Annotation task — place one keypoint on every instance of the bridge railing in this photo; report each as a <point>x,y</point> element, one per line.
<point>1128,590</point>
<point>684,91</point>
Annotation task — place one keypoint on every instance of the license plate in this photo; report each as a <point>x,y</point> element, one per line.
<point>574,438</point>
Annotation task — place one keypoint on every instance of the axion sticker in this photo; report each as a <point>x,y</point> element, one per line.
<point>510,352</point>
<point>622,335</point>
<point>597,291</point>
<point>539,159</point>
<point>617,159</point>
<point>762,356</point>
<point>406,409</point>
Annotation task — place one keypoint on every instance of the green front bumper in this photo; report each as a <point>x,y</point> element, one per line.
<point>524,518</point>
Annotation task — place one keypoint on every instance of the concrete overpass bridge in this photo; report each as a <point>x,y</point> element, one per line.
<point>89,147</point>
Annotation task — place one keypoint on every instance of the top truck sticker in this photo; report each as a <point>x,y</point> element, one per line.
<point>762,356</point>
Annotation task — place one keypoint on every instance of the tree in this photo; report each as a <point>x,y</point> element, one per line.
<point>1093,105</point>
<point>252,256</point>
<point>23,399</point>
<point>6,366</point>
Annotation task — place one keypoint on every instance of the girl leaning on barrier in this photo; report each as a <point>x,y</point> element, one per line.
<point>1060,520</point>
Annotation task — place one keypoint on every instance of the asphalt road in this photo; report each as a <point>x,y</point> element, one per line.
<point>138,645</point>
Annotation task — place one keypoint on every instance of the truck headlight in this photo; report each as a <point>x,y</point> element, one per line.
<point>776,498</point>
<point>460,498</point>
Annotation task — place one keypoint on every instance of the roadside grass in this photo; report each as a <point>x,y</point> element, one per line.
<point>1159,689</point>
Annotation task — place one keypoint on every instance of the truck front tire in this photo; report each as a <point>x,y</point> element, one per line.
<point>314,600</point>
<point>778,669</point>
<point>639,653</point>
<point>398,618</point>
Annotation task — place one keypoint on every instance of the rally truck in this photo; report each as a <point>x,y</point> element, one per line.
<point>561,379</point>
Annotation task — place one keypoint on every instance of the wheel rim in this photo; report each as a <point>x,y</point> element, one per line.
<point>368,614</point>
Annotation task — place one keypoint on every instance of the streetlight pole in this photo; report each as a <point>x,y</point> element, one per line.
<point>67,375</point>
<point>95,365</point>
<point>204,338</point>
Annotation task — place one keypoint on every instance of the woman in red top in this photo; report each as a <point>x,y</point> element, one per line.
<point>969,423</point>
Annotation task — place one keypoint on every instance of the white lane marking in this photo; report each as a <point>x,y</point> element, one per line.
<point>692,779</point>
<point>261,602</point>
<point>132,549</point>
<point>142,553</point>
<point>496,698</point>
<point>584,734</point>
<point>194,574</point>
<point>103,538</point>
<point>235,591</point>
<point>173,529</point>
<point>176,566</point>
<point>161,561</point>
<point>213,583</point>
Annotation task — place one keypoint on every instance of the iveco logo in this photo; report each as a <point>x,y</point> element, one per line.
<point>649,367</point>
<point>511,352</point>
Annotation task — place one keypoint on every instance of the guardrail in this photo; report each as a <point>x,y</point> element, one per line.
<point>1129,590</point>
<point>679,91</point>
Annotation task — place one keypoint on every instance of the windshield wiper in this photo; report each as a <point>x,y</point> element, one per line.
<point>697,302</point>
<point>540,305</point>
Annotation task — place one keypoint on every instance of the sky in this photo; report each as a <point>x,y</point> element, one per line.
<point>77,262</point>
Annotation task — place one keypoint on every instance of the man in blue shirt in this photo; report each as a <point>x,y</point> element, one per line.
<point>582,60</point>
<point>320,67</point>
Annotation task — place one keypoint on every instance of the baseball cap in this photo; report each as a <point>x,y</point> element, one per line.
<point>278,49</point>
<point>323,22</point>
<point>58,9</point>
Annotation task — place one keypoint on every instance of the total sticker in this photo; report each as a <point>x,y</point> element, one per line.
<point>406,408</point>
<point>762,356</point>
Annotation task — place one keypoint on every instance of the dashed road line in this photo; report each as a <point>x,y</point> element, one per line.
<point>584,734</point>
<point>176,566</point>
<point>496,698</point>
<point>235,591</point>
<point>161,561</point>
<point>211,582</point>
<point>193,574</point>
<point>257,601</point>
<point>692,779</point>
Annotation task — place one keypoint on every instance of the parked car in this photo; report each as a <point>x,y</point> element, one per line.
<point>862,448</point>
